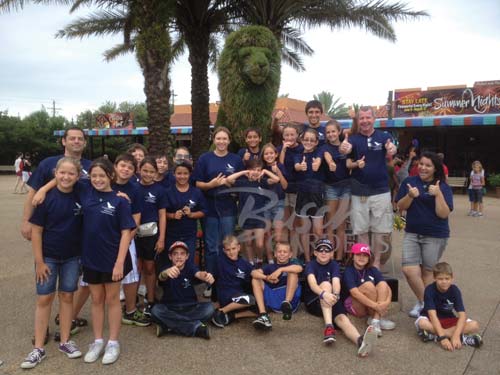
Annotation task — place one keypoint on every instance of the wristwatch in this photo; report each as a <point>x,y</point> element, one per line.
<point>441,338</point>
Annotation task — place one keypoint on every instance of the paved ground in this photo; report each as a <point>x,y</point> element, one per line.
<point>291,347</point>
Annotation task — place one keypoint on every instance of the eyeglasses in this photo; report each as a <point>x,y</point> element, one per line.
<point>183,156</point>
<point>324,250</point>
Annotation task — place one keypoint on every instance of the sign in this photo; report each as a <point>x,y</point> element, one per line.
<point>483,98</point>
<point>115,120</point>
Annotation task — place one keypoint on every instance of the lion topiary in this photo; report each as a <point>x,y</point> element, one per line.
<point>249,72</point>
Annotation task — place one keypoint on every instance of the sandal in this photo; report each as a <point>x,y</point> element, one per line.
<point>81,322</point>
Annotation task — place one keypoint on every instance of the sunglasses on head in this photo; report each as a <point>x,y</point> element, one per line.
<point>324,250</point>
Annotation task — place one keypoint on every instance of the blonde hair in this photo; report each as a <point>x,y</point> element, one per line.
<point>230,239</point>
<point>285,244</point>
<point>70,160</point>
<point>478,163</point>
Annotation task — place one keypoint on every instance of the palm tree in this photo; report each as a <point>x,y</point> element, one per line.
<point>144,24</point>
<point>331,106</point>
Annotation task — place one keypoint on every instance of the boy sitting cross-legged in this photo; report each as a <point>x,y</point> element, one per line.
<point>179,310</point>
<point>277,286</point>
<point>438,322</point>
<point>233,283</point>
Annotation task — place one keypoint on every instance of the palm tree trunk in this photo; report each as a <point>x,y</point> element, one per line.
<point>200,94</point>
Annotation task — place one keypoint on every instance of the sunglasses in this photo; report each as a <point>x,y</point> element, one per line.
<point>324,250</point>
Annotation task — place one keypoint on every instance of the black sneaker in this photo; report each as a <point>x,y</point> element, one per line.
<point>263,322</point>
<point>472,340</point>
<point>220,319</point>
<point>161,330</point>
<point>202,331</point>
<point>137,318</point>
<point>426,336</point>
<point>147,310</point>
<point>287,310</point>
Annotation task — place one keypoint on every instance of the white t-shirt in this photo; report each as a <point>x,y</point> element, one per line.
<point>17,164</point>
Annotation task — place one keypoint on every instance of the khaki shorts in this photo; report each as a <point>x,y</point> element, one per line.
<point>371,214</point>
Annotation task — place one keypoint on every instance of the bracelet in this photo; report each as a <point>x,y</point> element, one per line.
<point>321,294</point>
<point>441,338</point>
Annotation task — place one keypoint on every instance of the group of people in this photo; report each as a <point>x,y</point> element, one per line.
<point>137,221</point>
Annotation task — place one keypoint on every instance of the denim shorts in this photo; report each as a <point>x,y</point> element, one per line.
<point>64,273</point>
<point>422,250</point>
<point>335,193</point>
<point>277,212</point>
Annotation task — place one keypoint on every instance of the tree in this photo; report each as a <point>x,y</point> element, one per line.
<point>331,105</point>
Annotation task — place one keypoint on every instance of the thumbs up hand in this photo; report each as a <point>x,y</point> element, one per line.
<point>316,164</point>
<point>332,166</point>
<point>390,147</point>
<point>412,191</point>
<point>246,155</point>
<point>361,163</point>
<point>434,189</point>
<point>345,147</point>
<point>303,165</point>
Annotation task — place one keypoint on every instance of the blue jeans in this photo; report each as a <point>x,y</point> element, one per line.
<point>214,230</point>
<point>63,273</point>
<point>182,318</point>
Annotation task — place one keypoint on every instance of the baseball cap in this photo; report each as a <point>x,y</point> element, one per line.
<point>361,248</point>
<point>177,244</point>
<point>322,243</point>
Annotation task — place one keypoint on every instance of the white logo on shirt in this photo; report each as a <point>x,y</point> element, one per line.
<point>229,168</point>
<point>192,204</point>
<point>373,145</point>
<point>77,210</point>
<point>240,274</point>
<point>150,198</point>
<point>108,209</point>
<point>186,283</point>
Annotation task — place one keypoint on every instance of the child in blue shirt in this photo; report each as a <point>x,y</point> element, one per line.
<point>253,137</point>
<point>276,286</point>
<point>254,200</point>
<point>322,298</point>
<point>150,237</point>
<point>233,283</point>
<point>443,318</point>
<point>179,310</point>
<point>186,204</point>
<point>310,191</point>
<point>56,238</point>
<point>366,292</point>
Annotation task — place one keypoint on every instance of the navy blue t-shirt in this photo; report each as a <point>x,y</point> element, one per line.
<point>270,268</point>
<point>176,200</point>
<point>233,278</point>
<point>45,171</point>
<point>444,303</point>
<point>105,215</point>
<point>341,172</point>
<point>421,216</point>
<point>321,129</point>
<point>290,165</point>
<point>257,190</point>
<point>131,188</point>
<point>322,273</point>
<point>60,215</point>
<point>253,155</point>
<point>353,278</point>
<point>277,188</point>
<point>309,181</point>
<point>180,289</point>
<point>167,181</point>
<point>209,166</point>
<point>153,199</point>
<point>373,179</point>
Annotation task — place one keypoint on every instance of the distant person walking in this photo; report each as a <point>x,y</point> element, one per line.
<point>476,186</point>
<point>18,167</point>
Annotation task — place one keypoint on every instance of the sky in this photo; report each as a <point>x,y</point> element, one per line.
<point>458,44</point>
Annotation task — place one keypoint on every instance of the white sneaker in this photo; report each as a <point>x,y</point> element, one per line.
<point>369,339</point>
<point>387,325</point>
<point>111,354</point>
<point>95,351</point>
<point>375,323</point>
<point>415,312</point>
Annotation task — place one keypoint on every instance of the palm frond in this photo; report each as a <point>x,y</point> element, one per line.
<point>15,5</point>
<point>119,50</point>
<point>292,59</point>
<point>293,38</point>
<point>103,22</point>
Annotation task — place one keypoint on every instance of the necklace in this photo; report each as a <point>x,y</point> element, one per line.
<point>362,275</point>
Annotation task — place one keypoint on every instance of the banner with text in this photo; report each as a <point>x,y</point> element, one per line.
<point>477,100</point>
<point>115,120</point>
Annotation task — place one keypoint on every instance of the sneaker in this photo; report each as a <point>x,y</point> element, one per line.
<point>147,311</point>
<point>375,323</point>
<point>329,335</point>
<point>95,351</point>
<point>202,331</point>
<point>415,311</point>
<point>368,342</point>
<point>263,322</point>
<point>136,318</point>
<point>426,336</point>
<point>472,340</point>
<point>207,293</point>
<point>70,349</point>
<point>387,325</point>
<point>111,354</point>
<point>287,310</point>
<point>142,290</point>
<point>471,213</point>
<point>479,214</point>
<point>220,319</point>
<point>34,358</point>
